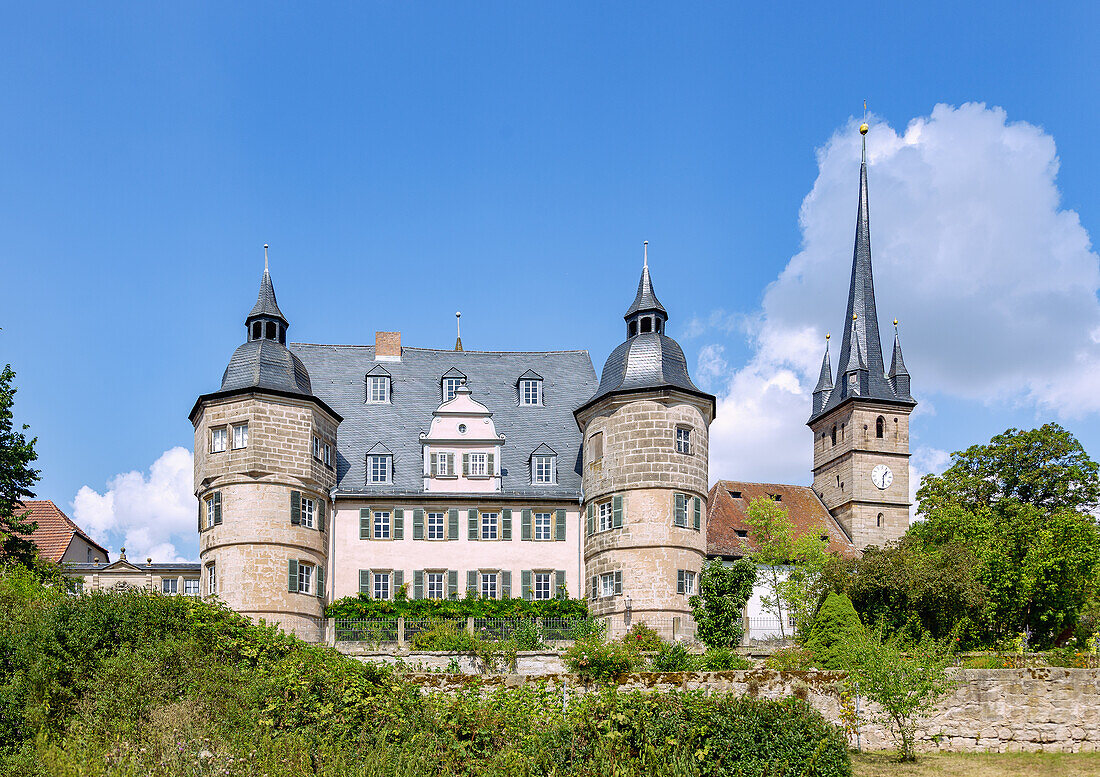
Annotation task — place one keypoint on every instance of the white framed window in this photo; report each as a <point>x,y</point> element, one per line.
<point>211,579</point>
<point>211,511</point>
<point>489,526</point>
<point>381,585</point>
<point>689,583</point>
<point>479,465</point>
<point>318,447</point>
<point>169,585</point>
<point>442,464</point>
<point>607,585</point>
<point>530,391</point>
<point>605,514</point>
<point>240,436</point>
<point>543,469</point>
<point>305,578</point>
<point>435,526</point>
<point>378,389</point>
<point>307,512</point>
<point>542,585</point>
<point>328,455</point>
<point>542,526</point>
<point>489,585</point>
<point>218,439</point>
<point>381,524</point>
<point>595,446</point>
<point>450,386</point>
<point>435,585</point>
<point>683,440</point>
<point>191,586</point>
<point>379,469</point>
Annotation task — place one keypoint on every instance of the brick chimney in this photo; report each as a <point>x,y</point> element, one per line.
<point>387,346</point>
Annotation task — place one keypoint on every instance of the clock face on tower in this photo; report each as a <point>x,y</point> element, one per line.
<point>881,476</point>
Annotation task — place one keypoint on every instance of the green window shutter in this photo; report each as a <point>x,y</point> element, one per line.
<point>616,511</point>
<point>320,515</point>
<point>679,510</point>
<point>506,524</point>
<point>471,523</point>
<point>364,582</point>
<point>399,523</point>
<point>292,577</point>
<point>418,524</point>
<point>525,525</point>
<point>451,463</point>
<point>452,525</point>
<point>471,582</point>
<point>296,507</point>
<point>398,580</point>
<point>559,584</point>
<point>452,583</point>
<point>201,505</point>
<point>320,582</point>
<point>466,464</point>
<point>559,525</point>
<point>217,507</point>
<point>434,468</point>
<point>594,591</point>
<point>618,583</point>
<point>505,584</point>
<point>489,468</point>
<point>591,517</point>
<point>418,584</point>
<point>525,582</point>
<point>364,523</point>
<point>679,581</point>
<point>698,513</point>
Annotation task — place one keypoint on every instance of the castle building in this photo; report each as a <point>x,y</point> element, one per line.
<point>325,471</point>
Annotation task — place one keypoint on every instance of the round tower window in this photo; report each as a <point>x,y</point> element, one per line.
<point>462,428</point>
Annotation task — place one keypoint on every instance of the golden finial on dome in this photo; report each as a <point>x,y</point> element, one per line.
<point>855,316</point>
<point>895,322</point>
<point>863,129</point>
<point>827,335</point>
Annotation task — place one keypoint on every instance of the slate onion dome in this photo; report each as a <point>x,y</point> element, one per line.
<point>648,359</point>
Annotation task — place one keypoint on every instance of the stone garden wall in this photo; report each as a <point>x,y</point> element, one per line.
<point>991,710</point>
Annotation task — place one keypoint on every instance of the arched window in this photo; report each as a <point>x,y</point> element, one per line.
<point>271,334</point>
<point>880,519</point>
<point>632,329</point>
<point>880,427</point>
<point>647,324</point>
<point>257,330</point>
<point>834,434</point>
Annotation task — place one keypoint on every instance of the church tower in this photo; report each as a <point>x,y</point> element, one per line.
<point>264,468</point>
<point>861,424</point>
<point>644,478</point>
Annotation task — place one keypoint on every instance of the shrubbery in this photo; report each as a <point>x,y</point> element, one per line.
<point>600,661</point>
<point>361,606</point>
<point>832,631</point>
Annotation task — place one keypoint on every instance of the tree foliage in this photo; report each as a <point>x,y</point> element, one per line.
<point>719,606</point>
<point>1045,467</point>
<point>17,478</point>
<point>833,631</point>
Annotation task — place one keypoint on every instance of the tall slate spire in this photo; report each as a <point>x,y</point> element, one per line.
<point>646,313</point>
<point>899,375</point>
<point>266,321</point>
<point>860,369</point>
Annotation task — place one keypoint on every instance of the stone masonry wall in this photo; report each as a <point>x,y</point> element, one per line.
<point>991,710</point>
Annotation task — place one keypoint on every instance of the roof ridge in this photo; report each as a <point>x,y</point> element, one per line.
<point>436,350</point>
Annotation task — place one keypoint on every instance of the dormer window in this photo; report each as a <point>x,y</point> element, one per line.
<point>379,468</point>
<point>542,469</point>
<point>378,389</point>
<point>450,386</point>
<point>530,391</point>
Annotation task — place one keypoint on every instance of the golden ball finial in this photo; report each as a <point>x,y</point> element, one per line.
<point>895,322</point>
<point>863,128</point>
<point>827,335</point>
<point>854,316</point>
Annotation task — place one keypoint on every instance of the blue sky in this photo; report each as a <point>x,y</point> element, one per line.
<point>406,160</point>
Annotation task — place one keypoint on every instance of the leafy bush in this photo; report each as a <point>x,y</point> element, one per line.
<point>642,637</point>
<point>985,661</point>
<point>720,604</point>
<point>722,660</point>
<point>672,657</point>
<point>362,607</point>
<point>601,661</point>
<point>589,628</point>
<point>445,636</point>
<point>790,659</point>
<point>832,632</point>
<point>527,637</point>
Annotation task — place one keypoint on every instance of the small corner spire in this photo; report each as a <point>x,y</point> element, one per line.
<point>458,327</point>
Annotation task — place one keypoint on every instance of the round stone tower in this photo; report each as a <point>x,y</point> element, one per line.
<point>265,464</point>
<point>645,476</point>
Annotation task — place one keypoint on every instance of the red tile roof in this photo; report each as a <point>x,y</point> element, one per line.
<point>55,529</point>
<point>729,500</point>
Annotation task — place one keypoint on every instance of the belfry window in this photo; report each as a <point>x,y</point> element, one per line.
<point>647,325</point>
<point>833,434</point>
<point>257,330</point>
<point>632,329</point>
<point>880,427</point>
<point>272,331</point>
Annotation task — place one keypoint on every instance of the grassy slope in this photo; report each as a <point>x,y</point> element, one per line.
<point>979,765</point>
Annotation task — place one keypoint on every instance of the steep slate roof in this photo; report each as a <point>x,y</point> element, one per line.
<point>645,361</point>
<point>266,305</point>
<point>645,299</point>
<point>338,379</point>
<point>55,530</point>
<point>726,516</point>
<point>266,364</point>
<point>861,349</point>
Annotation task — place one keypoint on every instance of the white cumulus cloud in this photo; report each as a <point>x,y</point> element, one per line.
<point>994,282</point>
<point>150,515</point>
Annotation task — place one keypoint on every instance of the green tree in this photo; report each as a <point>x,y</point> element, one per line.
<point>16,480</point>
<point>790,566</point>
<point>719,606</point>
<point>905,678</point>
<point>833,632</point>
<point>1045,467</point>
